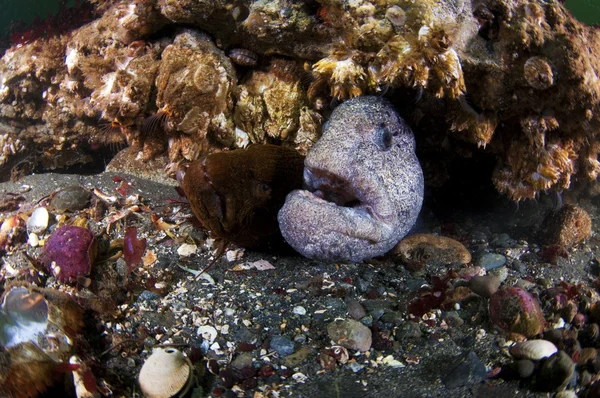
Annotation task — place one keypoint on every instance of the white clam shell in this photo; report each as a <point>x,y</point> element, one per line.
<point>38,221</point>
<point>166,373</point>
<point>533,349</point>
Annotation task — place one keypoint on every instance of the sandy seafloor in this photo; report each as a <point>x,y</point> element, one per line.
<point>265,300</point>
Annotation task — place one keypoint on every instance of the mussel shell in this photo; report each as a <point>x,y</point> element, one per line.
<point>166,373</point>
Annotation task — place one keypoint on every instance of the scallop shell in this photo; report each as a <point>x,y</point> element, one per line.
<point>533,349</point>
<point>166,373</point>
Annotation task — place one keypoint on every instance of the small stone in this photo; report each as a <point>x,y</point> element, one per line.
<point>485,286</point>
<point>300,339</point>
<point>556,372</point>
<point>516,311</point>
<point>299,310</point>
<point>356,367</point>
<point>392,317</point>
<point>468,369</point>
<point>419,249</point>
<point>501,273</point>
<point>367,320</point>
<point>502,241</point>
<point>566,227</point>
<point>282,345</point>
<point>355,309</point>
<point>525,368</point>
<point>491,260</point>
<point>244,360</point>
<point>298,357</point>
<point>350,334</point>
<point>71,199</point>
<point>148,295</point>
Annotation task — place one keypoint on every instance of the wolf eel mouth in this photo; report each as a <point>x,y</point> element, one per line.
<point>322,184</point>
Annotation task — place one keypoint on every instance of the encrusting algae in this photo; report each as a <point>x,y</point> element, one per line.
<point>514,80</point>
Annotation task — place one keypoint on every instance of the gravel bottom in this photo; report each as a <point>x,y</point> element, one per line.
<point>261,320</point>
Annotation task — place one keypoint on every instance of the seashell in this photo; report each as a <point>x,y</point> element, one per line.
<point>38,221</point>
<point>533,349</point>
<point>166,373</point>
<point>243,57</point>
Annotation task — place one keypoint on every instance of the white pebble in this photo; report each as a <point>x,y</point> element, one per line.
<point>299,310</point>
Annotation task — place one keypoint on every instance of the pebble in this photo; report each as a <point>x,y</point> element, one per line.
<point>491,260</point>
<point>299,310</point>
<point>350,334</point>
<point>485,286</point>
<point>525,368</point>
<point>392,317</point>
<point>282,345</point>
<point>501,273</point>
<point>298,357</point>
<point>556,372</point>
<point>502,241</point>
<point>71,199</point>
<point>518,266</point>
<point>419,249</point>
<point>468,369</point>
<point>148,295</point>
<point>356,367</point>
<point>244,360</point>
<point>566,227</point>
<point>355,309</point>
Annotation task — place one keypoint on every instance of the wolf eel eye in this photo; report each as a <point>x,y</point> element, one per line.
<point>383,138</point>
<point>262,190</point>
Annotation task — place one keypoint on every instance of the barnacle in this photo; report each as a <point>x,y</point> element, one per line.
<point>528,172</point>
<point>346,77</point>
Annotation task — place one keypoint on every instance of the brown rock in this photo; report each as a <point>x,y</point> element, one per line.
<point>419,249</point>
<point>566,227</point>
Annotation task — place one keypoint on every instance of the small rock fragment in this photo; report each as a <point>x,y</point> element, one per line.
<point>533,349</point>
<point>525,368</point>
<point>485,286</point>
<point>350,334</point>
<point>490,261</point>
<point>556,372</point>
<point>282,345</point>
<point>468,369</point>
<point>419,249</point>
<point>71,199</point>
<point>355,309</point>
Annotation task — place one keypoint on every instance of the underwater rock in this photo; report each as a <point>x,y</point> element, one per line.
<point>364,186</point>
<point>419,249</point>
<point>515,310</point>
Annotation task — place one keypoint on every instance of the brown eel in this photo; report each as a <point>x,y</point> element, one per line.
<point>236,194</point>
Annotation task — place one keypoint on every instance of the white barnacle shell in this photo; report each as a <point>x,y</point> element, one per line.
<point>533,349</point>
<point>166,373</point>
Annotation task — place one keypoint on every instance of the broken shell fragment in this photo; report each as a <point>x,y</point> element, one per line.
<point>166,373</point>
<point>38,221</point>
<point>533,349</point>
<point>69,253</point>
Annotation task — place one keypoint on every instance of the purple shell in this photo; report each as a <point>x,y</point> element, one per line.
<point>69,253</point>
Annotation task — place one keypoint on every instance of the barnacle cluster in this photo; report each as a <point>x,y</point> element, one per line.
<point>272,106</point>
<point>194,88</point>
